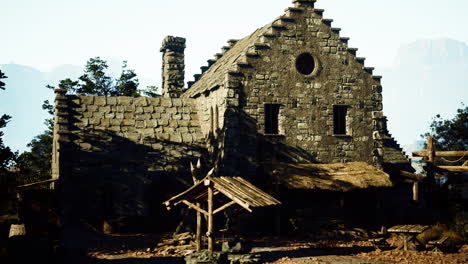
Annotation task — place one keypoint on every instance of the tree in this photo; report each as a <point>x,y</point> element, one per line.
<point>450,134</point>
<point>96,81</point>
<point>6,155</point>
<point>35,164</point>
<point>151,91</point>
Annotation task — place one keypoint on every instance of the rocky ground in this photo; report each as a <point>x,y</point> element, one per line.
<point>275,251</point>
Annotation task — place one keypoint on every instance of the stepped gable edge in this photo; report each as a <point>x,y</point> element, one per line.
<point>235,55</point>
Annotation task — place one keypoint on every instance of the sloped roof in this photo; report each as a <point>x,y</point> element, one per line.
<point>331,177</point>
<point>216,73</point>
<point>235,188</point>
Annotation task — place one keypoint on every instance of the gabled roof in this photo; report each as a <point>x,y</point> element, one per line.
<point>237,189</point>
<point>215,75</point>
<point>331,177</point>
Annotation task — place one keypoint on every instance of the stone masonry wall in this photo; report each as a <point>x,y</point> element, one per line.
<point>120,157</point>
<point>269,75</point>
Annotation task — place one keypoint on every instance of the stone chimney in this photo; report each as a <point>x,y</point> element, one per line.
<point>173,66</point>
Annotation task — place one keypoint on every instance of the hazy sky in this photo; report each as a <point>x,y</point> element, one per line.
<point>47,33</point>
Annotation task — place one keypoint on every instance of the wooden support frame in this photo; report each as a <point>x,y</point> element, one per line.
<point>424,153</point>
<point>195,207</point>
<point>209,233</point>
<point>36,183</point>
<point>224,207</point>
<point>431,154</point>
<point>238,190</point>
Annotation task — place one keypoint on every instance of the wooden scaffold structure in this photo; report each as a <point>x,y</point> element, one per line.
<point>236,189</point>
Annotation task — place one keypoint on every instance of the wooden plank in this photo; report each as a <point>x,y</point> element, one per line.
<point>224,207</point>
<point>235,192</point>
<point>36,183</point>
<point>191,205</point>
<point>458,153</point>
<point>230,196</point>
<point>248,193</point>
<point>454,168</point>
<point>272,199</point>
<point>244,193</point>
<point>394,228</point>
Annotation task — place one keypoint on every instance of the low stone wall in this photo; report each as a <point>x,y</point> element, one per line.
<point>118,158</point>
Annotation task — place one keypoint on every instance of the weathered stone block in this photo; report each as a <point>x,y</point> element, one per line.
<point>124,100</point>
<point>100,100</point>
<point>105,109</point>
<point>143,117</point>
<point>176,137</point>
<point>140,101</point>
<point>105,122</point>
<point>128,122</point>
<point>132,136</point>
<point>129,108</point>
<point>140,124</point>
<point>166,102</point>
<point>151,123</point>
<point>154,101</point>
<point>87,100</point>
<point>111,100</point>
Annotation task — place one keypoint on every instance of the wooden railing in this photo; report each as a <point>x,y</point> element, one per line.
<point>431,154</point>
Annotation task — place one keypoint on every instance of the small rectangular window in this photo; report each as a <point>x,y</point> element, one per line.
<point>339,119</point>
<point>271,118</point>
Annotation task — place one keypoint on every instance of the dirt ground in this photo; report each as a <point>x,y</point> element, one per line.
<point>143,249</point>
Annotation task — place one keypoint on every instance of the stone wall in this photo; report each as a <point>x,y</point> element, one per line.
<point>120,157</point>
<point>306,100</point>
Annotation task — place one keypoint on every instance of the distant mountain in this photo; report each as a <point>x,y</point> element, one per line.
<point>22,99</point>
<point>432,52</point>
<point>429,77</point>
<point>62,72</point>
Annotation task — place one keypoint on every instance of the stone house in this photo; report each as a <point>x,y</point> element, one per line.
<point>291,92</point>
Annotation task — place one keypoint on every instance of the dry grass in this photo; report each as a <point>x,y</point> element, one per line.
<point>438,231</point>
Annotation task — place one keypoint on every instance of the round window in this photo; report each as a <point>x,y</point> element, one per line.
<point>305,63</point>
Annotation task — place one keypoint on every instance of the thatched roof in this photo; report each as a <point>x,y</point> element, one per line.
<point>331,177</point>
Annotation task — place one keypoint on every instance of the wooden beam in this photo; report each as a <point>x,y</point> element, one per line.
<point>415,191</point>
<point>209,233</point>
<point>454,168</point>
<point>430,149</point>
<point>224,207</point>
<point>197,208</point>
<point>459,153</point>
<point>411,176</point>
<point>36,183</point>
<point>198,236</point>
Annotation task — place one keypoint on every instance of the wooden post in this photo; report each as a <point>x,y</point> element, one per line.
<point>430,159</point>
<point>209,234</point>
<point>198,236</point>
<point>216,121</point>
<point>430,149</point>
<point>211,121</point>
<point>415,191</point>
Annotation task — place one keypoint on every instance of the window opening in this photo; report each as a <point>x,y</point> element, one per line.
<point>305,63</point>
<point>339,119</point>
<point>271,118</point>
